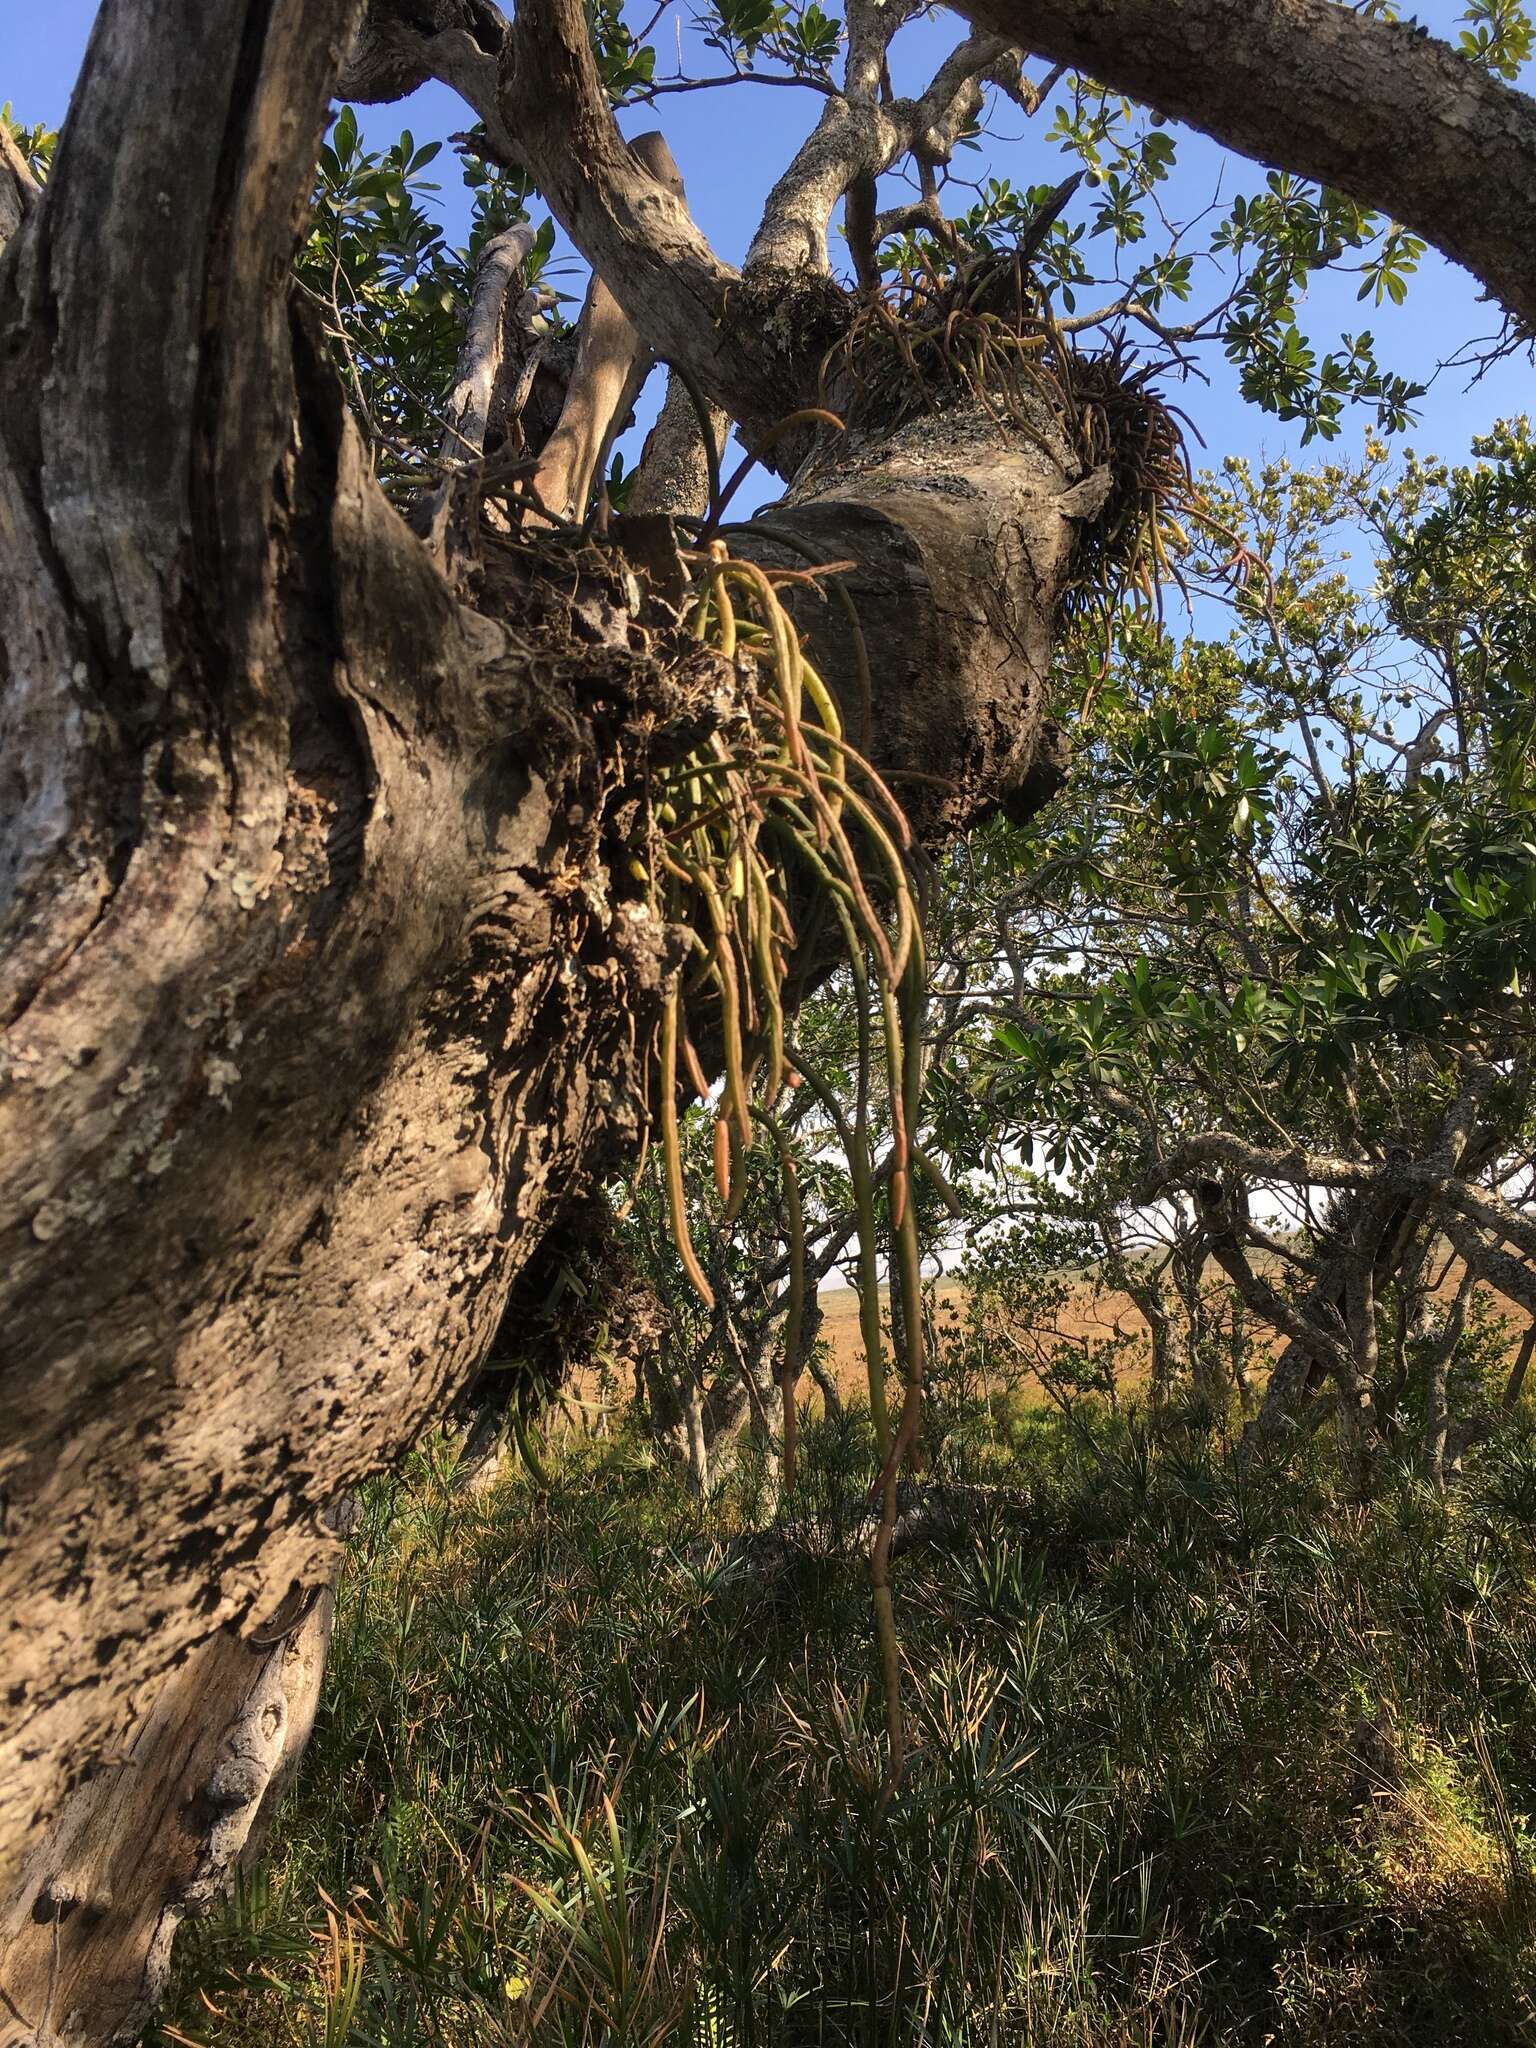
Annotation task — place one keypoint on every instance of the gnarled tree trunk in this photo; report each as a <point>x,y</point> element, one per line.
<point>322,986</point>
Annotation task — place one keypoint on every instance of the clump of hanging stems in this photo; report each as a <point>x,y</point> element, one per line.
<point>734,822</point>
<point>790,809</point>
<point>791,799</point>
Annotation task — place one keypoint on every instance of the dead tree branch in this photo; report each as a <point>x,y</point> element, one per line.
<point>481,362</point>
<point>612,362</point>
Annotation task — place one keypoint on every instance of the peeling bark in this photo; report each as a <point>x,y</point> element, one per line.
<point>612,362</point>
<point>155,1835</point>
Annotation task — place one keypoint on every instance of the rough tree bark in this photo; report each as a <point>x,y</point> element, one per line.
<point>296,848</point>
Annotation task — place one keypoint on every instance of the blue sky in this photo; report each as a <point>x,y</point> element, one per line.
<point>731,144</point>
